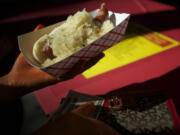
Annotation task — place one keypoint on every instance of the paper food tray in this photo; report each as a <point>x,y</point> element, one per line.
<point>26,42</point>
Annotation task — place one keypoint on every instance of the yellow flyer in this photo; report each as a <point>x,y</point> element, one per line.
<point>138,43</point>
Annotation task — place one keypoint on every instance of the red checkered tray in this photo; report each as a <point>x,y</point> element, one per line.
<point>58,69</point>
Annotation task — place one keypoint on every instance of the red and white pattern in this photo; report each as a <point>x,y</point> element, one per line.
<point>111,38</point>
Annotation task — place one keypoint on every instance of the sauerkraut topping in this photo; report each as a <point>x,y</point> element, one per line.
<point>78,31</point>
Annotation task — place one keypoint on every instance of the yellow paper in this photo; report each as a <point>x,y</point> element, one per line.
<point>139,43</point>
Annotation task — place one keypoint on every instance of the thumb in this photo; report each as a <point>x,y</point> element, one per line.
<point>44,77</point>
<point>85,109</point>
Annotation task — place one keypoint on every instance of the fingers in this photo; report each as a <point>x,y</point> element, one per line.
<point>85,109</point>
<point>48,78</point>
<point>39,27</point>
<point>42,78</point>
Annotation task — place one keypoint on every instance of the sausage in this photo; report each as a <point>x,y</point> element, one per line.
<point>102,14</point>
<point>47,50</point>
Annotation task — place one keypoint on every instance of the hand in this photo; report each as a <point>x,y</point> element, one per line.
<point>27,77</point>
<point>77,122</point>
<point>23,75</point>
<point>23,78</point>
